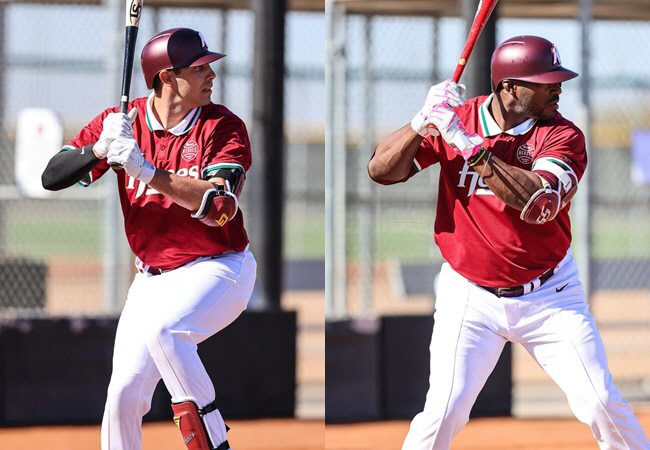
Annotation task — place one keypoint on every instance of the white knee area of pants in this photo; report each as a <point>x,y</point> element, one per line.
<point>127,401</point>
<point>125,397</point>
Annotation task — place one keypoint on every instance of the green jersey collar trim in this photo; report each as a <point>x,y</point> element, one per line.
<point>490,127</point>
<point>183,127</point>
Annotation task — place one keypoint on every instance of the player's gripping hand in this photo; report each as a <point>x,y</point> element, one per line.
<point>115,125</point>
<point>453,131</point>
<point>448,93</point>
<point>126,153</point>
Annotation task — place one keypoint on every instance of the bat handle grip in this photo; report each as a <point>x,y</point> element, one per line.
<point>124,106</point>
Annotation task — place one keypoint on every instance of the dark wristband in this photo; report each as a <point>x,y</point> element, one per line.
<point>474,160</point>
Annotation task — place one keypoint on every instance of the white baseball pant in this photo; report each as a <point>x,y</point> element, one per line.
<point>470,330</point>
<point>164,318</point>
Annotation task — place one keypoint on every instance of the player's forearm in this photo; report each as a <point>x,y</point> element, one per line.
<point>68,167</point>
<point>394,155</point>
<point>186,192</point>
<point>511,184</point>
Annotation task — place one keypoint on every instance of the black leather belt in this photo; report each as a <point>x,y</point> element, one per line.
<point>157,271</point>
<point>518,291</point>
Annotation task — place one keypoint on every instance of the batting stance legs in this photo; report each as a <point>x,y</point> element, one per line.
<point>471,328</point>
<point>164,318</point>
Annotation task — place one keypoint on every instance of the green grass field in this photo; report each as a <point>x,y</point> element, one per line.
<point>67,232</point>
<point>59,233</point>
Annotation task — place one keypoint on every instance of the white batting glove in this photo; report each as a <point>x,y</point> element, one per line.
<point>126,153</point>
<point>447,93</point>
<point>115,125</point>
<point>453,131</point>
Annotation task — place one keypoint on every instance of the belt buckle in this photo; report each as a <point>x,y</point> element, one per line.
<point>503,292</point>
<point>154,271</point>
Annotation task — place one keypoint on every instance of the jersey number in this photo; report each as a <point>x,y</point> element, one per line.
<point>192,172</point>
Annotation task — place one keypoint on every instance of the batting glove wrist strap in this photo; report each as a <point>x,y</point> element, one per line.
<point>418,124</point>
<point>468,145</point>
<point>126,153</point>
<point>147,173</point>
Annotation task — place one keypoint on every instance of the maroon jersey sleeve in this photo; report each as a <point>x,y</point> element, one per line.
<point>88,136</point>
<point>228,143</point>
<point>564,150</point>
<point>426,154</point>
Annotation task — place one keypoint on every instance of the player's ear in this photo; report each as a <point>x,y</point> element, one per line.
<point>509,87</point>
<point>166,76</point>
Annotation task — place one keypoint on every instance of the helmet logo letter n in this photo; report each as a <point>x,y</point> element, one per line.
<point>203,43</point>
<point>556,55</point>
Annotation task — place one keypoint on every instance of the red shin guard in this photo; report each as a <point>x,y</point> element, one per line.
<point>189,419</point>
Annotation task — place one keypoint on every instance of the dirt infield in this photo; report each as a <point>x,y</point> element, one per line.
<point>268,434</point>
<point>479,434</point>
<point>289,434</point>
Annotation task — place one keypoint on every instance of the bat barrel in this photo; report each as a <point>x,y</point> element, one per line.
<point>131,36</point>
<point>485,8</point>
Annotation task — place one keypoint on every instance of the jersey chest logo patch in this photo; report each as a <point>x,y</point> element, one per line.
<point>470,180</point>
<point>190,150</point>
<point>525,153</point>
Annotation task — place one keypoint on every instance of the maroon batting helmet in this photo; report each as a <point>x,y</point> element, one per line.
<point>174,49</point>
<point>528,58</point>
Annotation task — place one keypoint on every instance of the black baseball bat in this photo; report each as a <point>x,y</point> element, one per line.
<point>133,12</point>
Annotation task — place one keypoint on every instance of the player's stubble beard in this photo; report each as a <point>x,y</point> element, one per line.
<point>527,108</point>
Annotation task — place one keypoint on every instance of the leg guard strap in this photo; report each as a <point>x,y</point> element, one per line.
<point>223,446</point>
<point>189,419</point>
<point>208,409</point>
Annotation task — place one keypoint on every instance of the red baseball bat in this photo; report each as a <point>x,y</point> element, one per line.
<point>485,8</point>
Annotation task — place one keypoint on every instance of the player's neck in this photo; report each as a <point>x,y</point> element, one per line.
<point>503,114</point>
<point>168,111</point>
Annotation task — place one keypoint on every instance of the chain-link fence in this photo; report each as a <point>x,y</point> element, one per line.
<point>66,254</point>
<point>390,63</point>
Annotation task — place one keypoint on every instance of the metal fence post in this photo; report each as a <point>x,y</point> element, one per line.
<point>335,149</point>
<point>581,209</point>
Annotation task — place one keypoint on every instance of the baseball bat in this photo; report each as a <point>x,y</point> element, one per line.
<point>485,8</point>
<point>133,12</point>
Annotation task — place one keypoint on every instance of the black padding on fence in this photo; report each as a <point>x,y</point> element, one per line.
<point>252,364</point>
<point>495,399</point>
<point>405,364</point>
<point>388,369</point>
<point>56,371</point>
<point>352,371</point>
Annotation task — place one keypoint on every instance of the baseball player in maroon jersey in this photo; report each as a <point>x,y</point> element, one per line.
<point>510,164</point>
<point>184,163</point>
